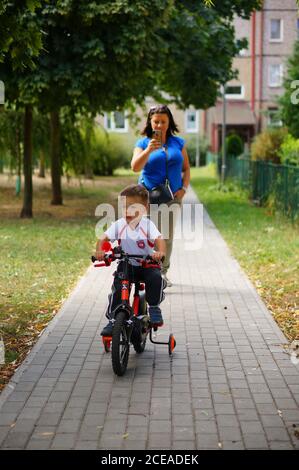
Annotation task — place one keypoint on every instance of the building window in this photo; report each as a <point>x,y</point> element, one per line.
<point>273,117</point>
<point>276,30</point>
<point>116,121</point>
<point>192,121</point>
<point>275,75</point>
<point>234,92</point>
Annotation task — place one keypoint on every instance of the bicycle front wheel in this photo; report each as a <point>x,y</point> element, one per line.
<point>120,344</point>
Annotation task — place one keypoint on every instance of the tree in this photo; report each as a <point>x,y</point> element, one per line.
<point>91,59</point>
<point>266,145</point>
<point>11,135</point>
<point>20,43</point>
<point>234,145</point>
<point>289,101</point>
<point>20,38</point>
<point>41,141</point>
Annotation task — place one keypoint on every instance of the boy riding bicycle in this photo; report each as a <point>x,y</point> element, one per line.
<point>136,234</point>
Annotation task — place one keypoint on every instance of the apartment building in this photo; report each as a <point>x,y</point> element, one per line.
<point>251,98</point>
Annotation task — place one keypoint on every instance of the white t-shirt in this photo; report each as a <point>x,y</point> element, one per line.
<point>138,241</point>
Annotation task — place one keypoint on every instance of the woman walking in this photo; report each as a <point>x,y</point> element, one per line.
<point>160,155</point>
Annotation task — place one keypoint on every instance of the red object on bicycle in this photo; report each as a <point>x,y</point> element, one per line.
<point>106,246</point>
<point>125,290</point>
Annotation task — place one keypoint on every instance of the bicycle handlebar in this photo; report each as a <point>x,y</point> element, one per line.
<point>108,258</point>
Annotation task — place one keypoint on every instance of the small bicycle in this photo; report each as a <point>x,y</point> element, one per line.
<point>132,323</point>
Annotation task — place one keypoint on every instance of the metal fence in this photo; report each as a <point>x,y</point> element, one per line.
<point>267,182</point>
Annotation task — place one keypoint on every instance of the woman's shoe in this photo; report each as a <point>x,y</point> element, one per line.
<point>168,282</point>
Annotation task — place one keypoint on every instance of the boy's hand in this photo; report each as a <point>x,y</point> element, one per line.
<point>100,255</point>
<point>157,255</point>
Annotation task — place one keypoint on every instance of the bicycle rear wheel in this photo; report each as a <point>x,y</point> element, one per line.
<point>120,344</point>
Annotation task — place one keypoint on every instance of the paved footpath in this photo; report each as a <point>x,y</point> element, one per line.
<point>230,384</point>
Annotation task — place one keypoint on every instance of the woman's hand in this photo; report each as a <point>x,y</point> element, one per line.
<point>157,255</point>
<point>179,194</point>
<point>153,145</point>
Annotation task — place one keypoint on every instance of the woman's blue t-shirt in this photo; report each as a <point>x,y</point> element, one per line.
<point>154,171</point>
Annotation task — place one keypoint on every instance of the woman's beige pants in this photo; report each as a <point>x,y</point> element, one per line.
<point>166,225</point>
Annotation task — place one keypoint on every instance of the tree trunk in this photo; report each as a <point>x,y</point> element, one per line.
<point>41,173</point>
<point>88,167</point>
<point>18,152</point>
<point>55,159</point>
<point>27,202</point>
<point>18,155</point>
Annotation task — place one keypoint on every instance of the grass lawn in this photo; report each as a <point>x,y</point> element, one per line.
<point>43,258</point>
<point>266,246</point>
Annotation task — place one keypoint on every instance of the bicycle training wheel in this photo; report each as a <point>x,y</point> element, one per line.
<point>139,338</point>
<point>171,344</point>
<point>120,344</point>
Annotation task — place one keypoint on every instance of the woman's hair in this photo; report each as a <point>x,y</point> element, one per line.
<point>136,190</point>
<point>160,109</point>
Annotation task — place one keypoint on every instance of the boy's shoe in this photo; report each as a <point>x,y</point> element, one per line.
<point>155,315</point>
<point>168,282</point>
<point>107,330</point>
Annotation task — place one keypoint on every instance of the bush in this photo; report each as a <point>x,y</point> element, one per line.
<point>87,149</point>
<point>234,145</point>
<point>108,152</point>
<point>289,151</point>
<point>266,146</point>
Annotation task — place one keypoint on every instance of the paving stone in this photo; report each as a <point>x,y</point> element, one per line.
<point>207,442</point>
<point>114,426</point>
<point>4,430</point>
<point>16,440</point>
<point>68,426</point>
<point>255,441</point>
<point>183,433</point>
<point>89,433</point>
<point>7,418</point>
<point>183,445</point>
<point>248,414</point>
<point>286,404</point>
<point>160,440</point>
<point>230,433</point>
<point>263,398</point>
<point>206,427</point>
<point>277,434</point>
<point>35,444</point>
<point>51,419</point>
<point>227,420</point>
<point>29,413</point>
<point>24,425</point>
<point>274,421</point>
<point>224,409</point>
<point>64,441</point>
<point>86,445</point>
<point>251,427</point>
<point>160,427</point>
<point>276,445</point>
<point>138,420</point>
<point>43,433</point>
